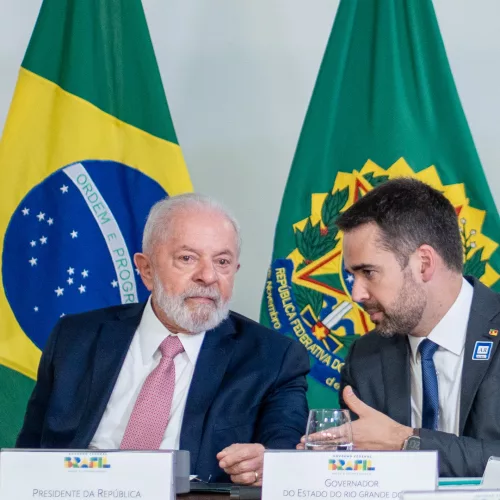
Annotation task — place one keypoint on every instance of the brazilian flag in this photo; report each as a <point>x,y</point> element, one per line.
<point>88,147</point>
<point>384,105</point>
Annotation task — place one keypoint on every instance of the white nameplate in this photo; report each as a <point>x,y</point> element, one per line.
<point>36,474</point>
<point>491,476</point>
<point>324,474</point>
<point>454,495</point>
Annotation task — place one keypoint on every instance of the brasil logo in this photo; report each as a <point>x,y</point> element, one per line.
<point>308,293</point>
<point>351,465</point>
<point>76,462</point>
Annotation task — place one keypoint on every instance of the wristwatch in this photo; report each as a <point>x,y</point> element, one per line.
<point>412,442</point>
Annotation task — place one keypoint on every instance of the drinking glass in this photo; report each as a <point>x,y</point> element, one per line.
<point>329,430</point>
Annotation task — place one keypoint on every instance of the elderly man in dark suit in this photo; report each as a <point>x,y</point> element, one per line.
<point>180,371</point>
<point>428,376</point>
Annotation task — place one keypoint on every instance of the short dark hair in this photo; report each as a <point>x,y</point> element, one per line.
<point>409,213</point>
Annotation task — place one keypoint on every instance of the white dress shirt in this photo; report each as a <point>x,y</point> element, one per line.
<point>142,358</point>
<point>449,334</point>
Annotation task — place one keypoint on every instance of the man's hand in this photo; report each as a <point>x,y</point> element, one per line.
<point>373,430</point>
<point>243,462</point>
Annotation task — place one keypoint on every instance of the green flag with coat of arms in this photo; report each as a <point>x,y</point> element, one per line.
<point>384,105</point>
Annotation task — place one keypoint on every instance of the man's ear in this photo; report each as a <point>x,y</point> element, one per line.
<point>145,267</point>
<point>427,261</point>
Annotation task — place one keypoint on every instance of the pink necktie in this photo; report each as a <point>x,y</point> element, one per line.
<point>151,412</point>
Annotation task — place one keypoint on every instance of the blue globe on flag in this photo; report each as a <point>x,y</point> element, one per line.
<point>69,245</point>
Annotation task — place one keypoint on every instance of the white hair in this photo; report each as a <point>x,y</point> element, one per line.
<point>163,212</point>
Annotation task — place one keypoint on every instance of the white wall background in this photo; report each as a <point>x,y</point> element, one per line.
<point>238,77</point>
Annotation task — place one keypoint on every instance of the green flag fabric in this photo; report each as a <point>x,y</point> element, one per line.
<point>384,105</point>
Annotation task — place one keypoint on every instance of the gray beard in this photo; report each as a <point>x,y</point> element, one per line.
<point>200,319</point>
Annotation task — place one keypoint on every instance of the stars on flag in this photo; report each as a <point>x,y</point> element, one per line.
<point>349,278</point>
<point>41,216</point>
<point>70,280</point>
<point>75,279</point>
<point>68,277</point>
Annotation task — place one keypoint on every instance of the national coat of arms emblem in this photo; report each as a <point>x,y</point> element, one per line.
<point>308,292</point>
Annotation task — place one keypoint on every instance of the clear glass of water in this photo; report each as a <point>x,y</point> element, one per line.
<point>329,430</point>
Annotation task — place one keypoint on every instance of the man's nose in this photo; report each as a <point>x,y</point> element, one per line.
<point>205,273</point>
<point>359,291</point>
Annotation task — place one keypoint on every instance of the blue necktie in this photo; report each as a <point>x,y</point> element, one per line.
<point>430,400</point>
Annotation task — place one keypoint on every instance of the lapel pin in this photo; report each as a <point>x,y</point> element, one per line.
<point>482,351</point>
<point>493,332</point>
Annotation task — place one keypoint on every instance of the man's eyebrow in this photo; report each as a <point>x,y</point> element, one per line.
<point>361,267</point>
<point>189,249</point>
<point>225,252</point>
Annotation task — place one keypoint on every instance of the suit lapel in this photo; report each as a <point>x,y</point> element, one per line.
<point>485,309</point>
<point>111,349</point>
<point>396,376</point>
<point>214,357</point>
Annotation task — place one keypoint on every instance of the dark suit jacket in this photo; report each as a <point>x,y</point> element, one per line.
<point>378,369</point>
<point>248,386</point>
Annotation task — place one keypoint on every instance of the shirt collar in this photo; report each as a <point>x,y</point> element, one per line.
<point>152,332</point>
<point>451,331</point>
